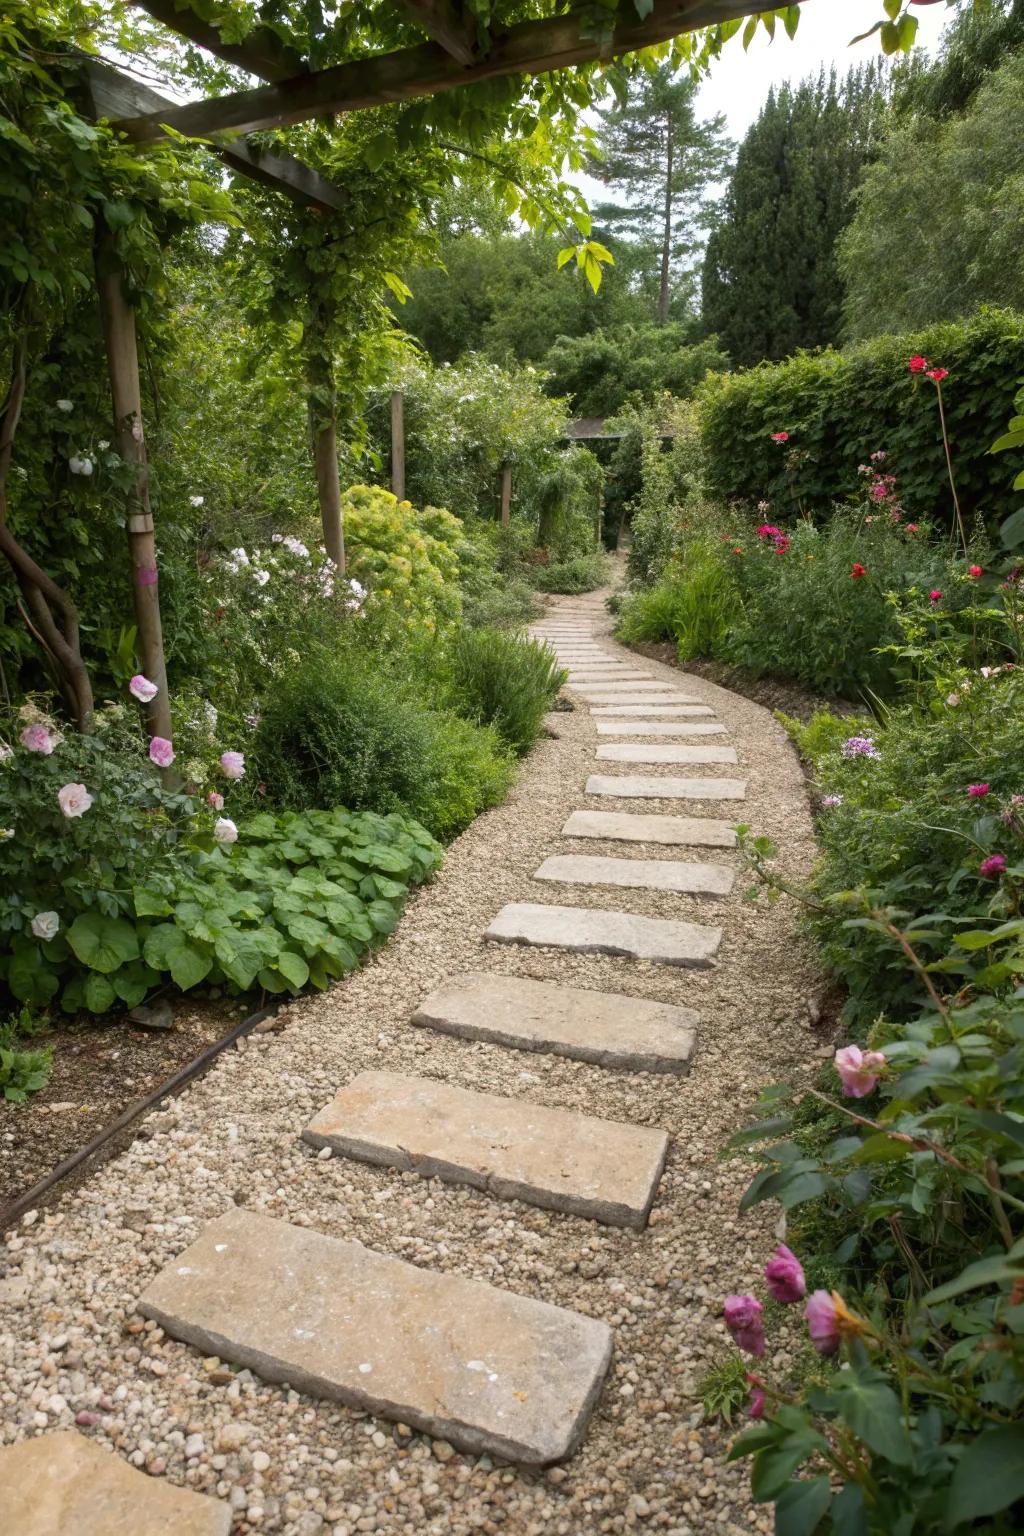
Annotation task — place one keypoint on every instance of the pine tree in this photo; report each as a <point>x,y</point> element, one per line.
<point>770,279</point>
<point>662,162</point>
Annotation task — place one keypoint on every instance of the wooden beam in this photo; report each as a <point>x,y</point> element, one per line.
<point>455,30</point>
<point>530,48</point>
<point>262,53</point>
<point>112,95</point>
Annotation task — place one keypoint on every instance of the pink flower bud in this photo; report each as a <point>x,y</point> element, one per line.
<point>858,1070</point>
<point>822,1322</point>
<point>785,1276</point>
<point>743,1318</point>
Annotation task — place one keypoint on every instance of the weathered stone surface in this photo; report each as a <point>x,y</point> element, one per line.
<point>61,1484</point>
<point>682,704</point>
<point>624,697</point>
<point>606,933</point>
<point>657,728</point>
<point>630,786</point>
<point>625,827</point>
<point>601,1027</point>
<point>581,677</point>
<point>514,1150</point>
<point>654,686</point>
<point>482,1368</point>
<point>643,874</point>
<point>663,752</point>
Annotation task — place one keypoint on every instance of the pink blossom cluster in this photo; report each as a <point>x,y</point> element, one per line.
<point>779,539</point>
<point>860,746</point>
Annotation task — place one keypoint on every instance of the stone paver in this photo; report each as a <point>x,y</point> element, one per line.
<point>627,827</point>
<point>606,933</point>
<point>663,752</point>
<point>62,1484</point>
<point>601,1027</point>
<point>601,1169</point>
<point>657,728</point>
<point>623,695</point>
<point>482,1368</point>
<point>681,704</point>
<point>630,786</point>
<point>640,874</point>
<point>632,687</point>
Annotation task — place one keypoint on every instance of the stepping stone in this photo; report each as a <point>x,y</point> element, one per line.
<point>625,696</point>
<point>586,675</point>
<point>625,708</point>
<point>606,933</point>
<point>63,1484</point>
<point>627,827</point>
<point>662,752</point>
<point>656,728</point>
<point>640,688</point>
<point>600,1027</point>
<point>514,1150</point>
<point>642,874</point>
<point>491,1372</point>
<point>646,787</point>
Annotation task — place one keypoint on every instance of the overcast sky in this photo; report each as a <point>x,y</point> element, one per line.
<point>739,82</point>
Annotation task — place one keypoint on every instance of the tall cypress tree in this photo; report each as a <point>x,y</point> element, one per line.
<point>662,160</point>
<point>770,282</point>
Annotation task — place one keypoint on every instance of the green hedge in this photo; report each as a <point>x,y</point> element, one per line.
<point>838,408</point>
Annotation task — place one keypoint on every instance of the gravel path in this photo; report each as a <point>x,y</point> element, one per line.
<point>73,1349</point>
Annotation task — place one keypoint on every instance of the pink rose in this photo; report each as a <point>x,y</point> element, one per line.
<point>743,1318</point>
<point>822,1322</point>
<point>858,1070</point>
<point>233,764</point>
<point>161,752</point>
<point>36,738</point>
<point>142,689</point>
<point>74,800</point>
<point>785,1276</point>
<point>215,801</point>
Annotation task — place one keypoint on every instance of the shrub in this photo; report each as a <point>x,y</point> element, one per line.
<point>406,557</point>
<point>583,573</point>
<point>693,603</point>
<point>340,731</point>
<point>23,1069</point>
<point>601,369</point>
<point>840,407</point>
<point>498,679</point>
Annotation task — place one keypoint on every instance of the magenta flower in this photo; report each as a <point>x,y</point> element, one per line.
<point>918,364</point>
<point>743,1318</point>
<point>975,571</point>
<point>142,689</point>
<point>780,437</point>
<point>36,738</point>
<point>977,791</point>
<point>860,746</point>
<point>992,867</point>
<point>233,764</point>
<point>757,1404</point>
<point>858,1070</point>
<point>161,752</point>
<point>935,596</point>
<point>74,800</point>
<point>822,1322</point>
<point>784,1276</point>
<point>768,531</point>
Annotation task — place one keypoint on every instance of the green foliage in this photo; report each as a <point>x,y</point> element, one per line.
<point>950,192</point>
<point>23,1069</point>
<point>725,1390</point>
<point>770,282</point>
<point>840,408</point>
<point>604,369</point>
<point>693,603</point>
<point>581,573</point>
<point>342,731</point>
<point>408,557</point>
<point>501,680</point>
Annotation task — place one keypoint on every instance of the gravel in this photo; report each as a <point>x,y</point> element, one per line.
<point>74,1350</point>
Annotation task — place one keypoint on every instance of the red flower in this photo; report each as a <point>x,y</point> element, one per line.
<point>911,527</point>
<point>936,595</point>
<point>737,550</point>
<point>918,364</point>
<point>976,571</point>
<point>780,437</point>
<point>782,543</point>
<point>937,374</point>
<point>858,571</point>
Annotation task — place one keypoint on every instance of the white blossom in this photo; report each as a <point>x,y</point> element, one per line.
<point>46,925</point>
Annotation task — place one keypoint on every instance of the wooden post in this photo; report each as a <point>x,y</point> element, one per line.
<point>323,426</point>
<point>118,320</point>
<point>506,494</point>
<point>398,443</point>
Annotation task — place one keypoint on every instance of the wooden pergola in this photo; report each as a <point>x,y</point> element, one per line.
<point>455,52</point>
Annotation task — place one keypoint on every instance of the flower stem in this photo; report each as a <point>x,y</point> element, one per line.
<point>949,466</point>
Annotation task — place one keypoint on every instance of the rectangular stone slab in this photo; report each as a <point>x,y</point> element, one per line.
<point>487,1370</point>
<point>623,708</point>
<point>639,874</point>
<point>606,933</point>
<point>657,728</point>
<point>662,752</point>
<point>63,1484</point>
<point>580,675</point>
<point>601,1027</point>
<point>654,686</point>
<point>635,786</point>
<point>622,695</point>
<point>514,1150</point>
<point>626,827</point>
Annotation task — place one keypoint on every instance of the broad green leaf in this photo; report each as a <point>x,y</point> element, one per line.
<point>800,1507</point>
<point>872,1410</point>
<point>103,943</point>
<point>150,903</point>
<point>30,978</point>
<point>293,968</point>
<point>989,1476</point>
<point>98,994</point>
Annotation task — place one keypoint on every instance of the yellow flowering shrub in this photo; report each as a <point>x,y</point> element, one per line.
<point>405,556</point>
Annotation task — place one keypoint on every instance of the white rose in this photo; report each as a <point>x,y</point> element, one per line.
<point>65,405</point>
<point>74,800</point>
<point>103,445</point>
<point>261,578</point>
<point>46,925</point>
<point>224,830</point>
<point>196,501</point>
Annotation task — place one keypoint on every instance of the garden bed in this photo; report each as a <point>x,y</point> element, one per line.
<point>100,1066</point>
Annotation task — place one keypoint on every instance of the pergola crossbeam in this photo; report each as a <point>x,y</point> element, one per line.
<point>261,53</point>
<point>530,48</point>
<point>455,30</point>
